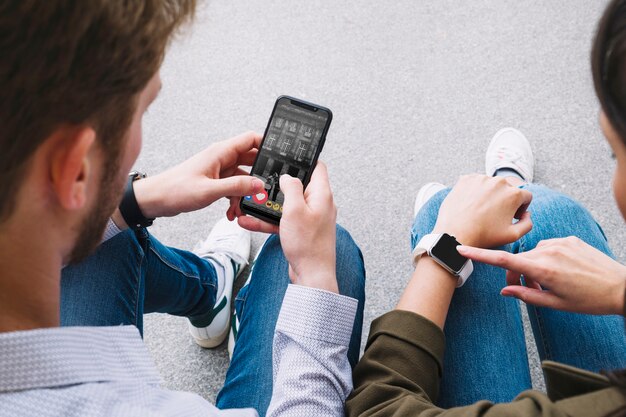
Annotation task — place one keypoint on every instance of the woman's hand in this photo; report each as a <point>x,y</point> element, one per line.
<point>565,274</point>
<point>209,175</point>
<point>479,211</point>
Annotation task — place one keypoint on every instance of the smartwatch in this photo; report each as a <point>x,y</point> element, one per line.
<point>129,208</point>
<point>442,248</point>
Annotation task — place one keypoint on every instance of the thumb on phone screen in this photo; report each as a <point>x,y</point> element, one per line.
<point>293,190</point>
<point>308,230</point>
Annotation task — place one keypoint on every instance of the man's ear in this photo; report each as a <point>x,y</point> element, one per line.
<point>71,165</point>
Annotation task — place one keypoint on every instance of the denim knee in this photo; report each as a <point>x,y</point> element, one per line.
<point>347,247</point>
<point>350,265</point>
<point>556,215</point>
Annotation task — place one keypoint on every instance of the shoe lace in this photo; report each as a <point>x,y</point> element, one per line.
<point>512,155</point>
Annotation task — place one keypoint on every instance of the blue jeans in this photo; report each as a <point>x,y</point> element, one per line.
<point>485,347</point>
<point>133,273</point>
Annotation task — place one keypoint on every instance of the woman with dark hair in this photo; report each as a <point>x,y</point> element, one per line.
<point>556,260</point>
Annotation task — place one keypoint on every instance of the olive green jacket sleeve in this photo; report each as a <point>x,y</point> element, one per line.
<point>400,372</point>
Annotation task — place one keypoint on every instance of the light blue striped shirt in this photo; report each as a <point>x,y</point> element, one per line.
<point>107,371</point>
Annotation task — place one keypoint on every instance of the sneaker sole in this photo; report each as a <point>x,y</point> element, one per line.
<point>214,342</point>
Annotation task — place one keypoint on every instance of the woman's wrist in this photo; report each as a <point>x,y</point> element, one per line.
<point>429,291</point>
<point>465,236</point>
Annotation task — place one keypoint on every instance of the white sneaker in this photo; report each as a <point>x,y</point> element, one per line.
<point>425,193</point>
<point>232,335</point>
<point>234,327</point>
<point>228,248</point>
<point>234,323</point>
<point>509,148</point>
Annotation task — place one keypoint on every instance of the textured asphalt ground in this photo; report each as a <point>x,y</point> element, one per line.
<point>417,89</point>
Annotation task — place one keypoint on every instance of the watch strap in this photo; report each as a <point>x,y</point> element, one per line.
<point>425,245</point>
<point>465,273</point>
<point>129,208</point>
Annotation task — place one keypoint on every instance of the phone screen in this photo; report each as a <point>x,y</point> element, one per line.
<point>293,139</point>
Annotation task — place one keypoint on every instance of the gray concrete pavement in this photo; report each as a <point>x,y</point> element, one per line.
<point>417,89</point>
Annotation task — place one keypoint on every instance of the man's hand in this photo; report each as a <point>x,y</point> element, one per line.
<point>479,211</point>
<point>202,179</point>
<point>307,230</point>
<point>576,276</point>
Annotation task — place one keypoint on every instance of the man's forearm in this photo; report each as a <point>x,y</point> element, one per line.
<point>312,375</point>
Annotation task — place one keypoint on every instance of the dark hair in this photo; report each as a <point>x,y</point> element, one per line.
<point>75,62</point>
<point>608,64</point>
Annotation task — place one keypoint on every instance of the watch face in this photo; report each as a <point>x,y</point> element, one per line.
<point>445,251</point>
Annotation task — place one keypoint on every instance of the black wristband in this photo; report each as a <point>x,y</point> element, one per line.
<point>129,208</point>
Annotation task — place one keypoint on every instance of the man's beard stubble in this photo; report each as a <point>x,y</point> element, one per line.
<point>93,225</point>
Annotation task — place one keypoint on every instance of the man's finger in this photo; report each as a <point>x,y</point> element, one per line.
<point>256,225</point>
<point>229,151</point>
<point>230,213</point>
<point>247,159</point>
<point>236,186</point>
<point>245,142</point>
<point>319,178</point>
<point>232,171</point>
<point>234,210</point>
<point>292,188</point>
<point>319,187</point>
<point>240,171</point>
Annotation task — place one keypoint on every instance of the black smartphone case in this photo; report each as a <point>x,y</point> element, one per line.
<point>301,103</point>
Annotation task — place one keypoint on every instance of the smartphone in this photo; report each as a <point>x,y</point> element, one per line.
<point>292,142</point>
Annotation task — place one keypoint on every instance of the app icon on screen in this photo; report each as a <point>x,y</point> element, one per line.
<point>260,197</point>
